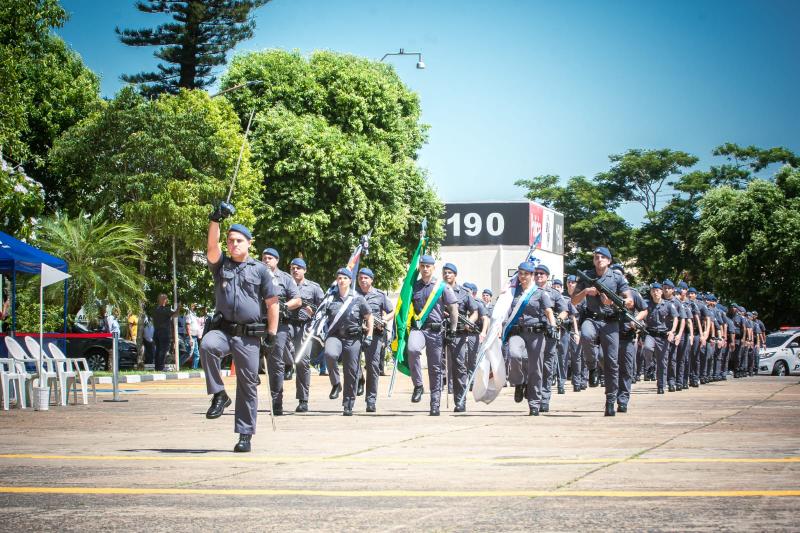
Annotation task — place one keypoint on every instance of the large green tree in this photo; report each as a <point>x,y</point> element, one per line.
<point>159,165</point>
<point>590,217</point>
<point>197,40</point>
<point>749,244</point>
<point>44,89</point>
<point>336,138</point>
<point>641,175</point>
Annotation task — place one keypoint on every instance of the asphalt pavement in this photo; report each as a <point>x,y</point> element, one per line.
<point>722,457</point>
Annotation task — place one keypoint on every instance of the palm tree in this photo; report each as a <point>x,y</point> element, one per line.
<point>103,259</point>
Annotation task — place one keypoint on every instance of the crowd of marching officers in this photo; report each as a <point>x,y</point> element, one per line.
<point>551,334</point>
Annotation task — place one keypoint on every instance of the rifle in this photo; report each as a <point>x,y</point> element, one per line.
<point>466,325</point>
<point>618,302</point>
<point>309,304</point>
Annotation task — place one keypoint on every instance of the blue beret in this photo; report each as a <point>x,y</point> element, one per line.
<point>655,285</point>
<point>602,250</point>
<point>711,298</point>
<point>298,261</point>
<point>668,283</point>
<point>450,266</point>
<point>542,267</point>
<point>572,277</point>
<point>470,286</point>
<point>427,260</point>
<point>527,266</point>
<point>271,251</point>
<point>367,272</point>
<point>239,228</point>
<point>692,289</point>
<point>755,313</point>
<point>345,272</point>
<point>683,285</point>
<point>487,291</point>
<point>558,281</point>
<point>618,266</point>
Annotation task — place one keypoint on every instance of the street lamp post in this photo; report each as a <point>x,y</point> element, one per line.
<point>402,52</point>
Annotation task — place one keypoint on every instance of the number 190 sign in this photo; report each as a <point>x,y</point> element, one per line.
<point>473,224</point>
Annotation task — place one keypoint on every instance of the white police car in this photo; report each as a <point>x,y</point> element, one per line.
<point>781,357</point>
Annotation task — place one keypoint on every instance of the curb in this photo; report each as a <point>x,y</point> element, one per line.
<point>141,378</point>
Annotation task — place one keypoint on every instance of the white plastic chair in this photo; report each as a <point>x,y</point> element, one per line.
<point>19,358</point>
<point>48,375</point>
<point>9,377</point>
<point>79,366</point>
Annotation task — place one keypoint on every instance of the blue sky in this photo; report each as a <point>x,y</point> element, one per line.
<point>515,89</point>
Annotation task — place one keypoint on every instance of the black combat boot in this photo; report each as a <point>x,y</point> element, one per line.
<point>416,396</point>
<point>219,402</point>
<point>243,446</point>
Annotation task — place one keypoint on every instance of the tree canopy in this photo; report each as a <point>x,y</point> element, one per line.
<point>336,139</point>
<point>193,44</point>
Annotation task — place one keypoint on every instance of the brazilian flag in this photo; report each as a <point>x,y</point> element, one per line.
<point>405,311</point>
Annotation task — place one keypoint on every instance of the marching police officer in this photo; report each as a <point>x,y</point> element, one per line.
<point>627,348</point>
<point>530,319</point>
<point>458,336</point>
<point>580,372</point>
<point>541,275</point>
<point>382,313</point>
<point>241,285</point>
<point>428,298</point>
<point>311,295</point>
<point>662,324</point>
<point>486,296</point>
<point>280,364</point>
<point>344,316</point>
<point>602,322</point>
<point>475,339</point>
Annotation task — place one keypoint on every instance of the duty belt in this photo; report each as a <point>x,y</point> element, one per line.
<point>435,327</point>
<point>255,329</point>
<point>603,317</point>
<point>348,334</point>
<point>516,330</point>
<point>627,334</point>
<point>657,333</point>
<point>298,321</point>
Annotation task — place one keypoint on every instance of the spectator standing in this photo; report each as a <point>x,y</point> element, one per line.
<point>148,338</point>
<point>133,326</point>
<point>194,330</point>
<point>162,321</point>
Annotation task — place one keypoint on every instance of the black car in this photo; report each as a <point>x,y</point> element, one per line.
<point>98,351</point>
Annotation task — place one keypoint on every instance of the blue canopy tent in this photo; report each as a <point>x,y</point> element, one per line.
<point>16,256</point>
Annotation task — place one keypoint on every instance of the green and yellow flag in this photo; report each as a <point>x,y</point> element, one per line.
<point>405,311</point>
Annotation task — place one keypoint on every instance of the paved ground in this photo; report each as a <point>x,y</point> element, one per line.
<point>724,457</point>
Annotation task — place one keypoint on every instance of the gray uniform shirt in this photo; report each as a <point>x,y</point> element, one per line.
<point>310,291</point>
<point>422,291</point>
<point>241,288</point>
<point>351,319</point>
<point>612,279</point>
<point>658,314</point>
<point>533,313</point>
<point>378,302</point>
<point>638,306</point>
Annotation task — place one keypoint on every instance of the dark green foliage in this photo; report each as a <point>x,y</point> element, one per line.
<point>197,41</point>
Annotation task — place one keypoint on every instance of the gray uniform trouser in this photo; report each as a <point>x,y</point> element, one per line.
<point>457,366</point>
<point>431,342</point>
<point>563,355</point>
<point>349,350</point>
<point>373,354</point>
<point>526,355</point>
<point>303,367</point>
<point>694,358</point>
<point>216,345</point>
<point>473,342</point>
<point>549,368</point>
<point>276,363</point>
<point>711,350</point>
<point>627,363</point>
<point>580,372</point>
<point>608,334</point>
<point>672,363</point>
<point>656,348</point>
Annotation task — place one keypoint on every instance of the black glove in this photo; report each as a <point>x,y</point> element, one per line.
<point>221,212</point>
<point>270,340</point>
<point>552,331</point>
<point>451,339</point>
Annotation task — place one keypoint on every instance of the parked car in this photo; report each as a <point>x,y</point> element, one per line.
<point>781,357</point>
<point>98,351</point>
